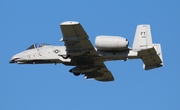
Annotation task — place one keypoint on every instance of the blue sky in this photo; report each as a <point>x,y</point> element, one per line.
<point>45,87</point>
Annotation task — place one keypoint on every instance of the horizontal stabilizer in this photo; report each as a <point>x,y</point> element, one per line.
<point>151,57</point>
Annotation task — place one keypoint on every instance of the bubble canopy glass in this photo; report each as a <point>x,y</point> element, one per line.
<point>37,45</point>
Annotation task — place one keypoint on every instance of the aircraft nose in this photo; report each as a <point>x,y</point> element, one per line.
<point>14,59</point>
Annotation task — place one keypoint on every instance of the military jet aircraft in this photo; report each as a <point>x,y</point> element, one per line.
<point>88,60</point>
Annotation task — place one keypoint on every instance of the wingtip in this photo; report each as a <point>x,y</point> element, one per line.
<point>69,23</point>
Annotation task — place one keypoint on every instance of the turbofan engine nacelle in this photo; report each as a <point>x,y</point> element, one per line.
<point>111,43</point>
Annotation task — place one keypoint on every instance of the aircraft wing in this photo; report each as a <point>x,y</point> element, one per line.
<point>82,53</point>
<point>100,72</point>
<point>76,40</point>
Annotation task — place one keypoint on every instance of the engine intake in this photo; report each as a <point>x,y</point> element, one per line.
<point>111,43</point>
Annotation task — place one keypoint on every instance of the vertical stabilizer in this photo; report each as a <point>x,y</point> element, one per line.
<point>142,39</point>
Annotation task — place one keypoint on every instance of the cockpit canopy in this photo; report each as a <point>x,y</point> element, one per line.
<point>37,45</point>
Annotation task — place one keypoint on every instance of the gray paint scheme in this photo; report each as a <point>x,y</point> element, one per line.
<point>88,60</point>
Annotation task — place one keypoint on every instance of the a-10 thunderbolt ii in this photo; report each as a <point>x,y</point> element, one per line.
<point>88,60</point>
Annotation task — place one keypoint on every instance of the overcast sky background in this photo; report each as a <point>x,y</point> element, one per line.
<point>52,87</point>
